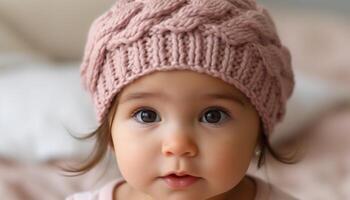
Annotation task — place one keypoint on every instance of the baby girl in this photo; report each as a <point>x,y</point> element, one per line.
<point>187,93</point>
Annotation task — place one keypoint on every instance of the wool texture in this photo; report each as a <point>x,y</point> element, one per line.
<point>233,40</point>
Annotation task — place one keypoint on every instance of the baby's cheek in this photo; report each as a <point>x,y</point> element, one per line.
<point>226,166</point>
<point>134,163</point>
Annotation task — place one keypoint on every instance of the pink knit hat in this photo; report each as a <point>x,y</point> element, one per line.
<point>233,40</point>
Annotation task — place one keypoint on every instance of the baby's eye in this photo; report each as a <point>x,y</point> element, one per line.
<point>215,116</point>
<point>145,116</point>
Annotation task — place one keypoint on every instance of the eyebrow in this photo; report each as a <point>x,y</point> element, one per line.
<point>143,95</point>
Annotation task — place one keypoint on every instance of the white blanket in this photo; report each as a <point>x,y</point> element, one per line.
<point>38,102</point>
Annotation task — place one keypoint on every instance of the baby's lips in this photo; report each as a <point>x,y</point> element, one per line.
<point>178,173</point>
<point>179,182</point>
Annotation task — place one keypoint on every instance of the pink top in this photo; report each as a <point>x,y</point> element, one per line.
<point>265,191</point>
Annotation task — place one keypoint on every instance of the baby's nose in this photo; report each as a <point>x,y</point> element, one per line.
<point>179,144</point>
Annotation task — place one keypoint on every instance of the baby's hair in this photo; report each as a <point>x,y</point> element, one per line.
<point>104,141</point>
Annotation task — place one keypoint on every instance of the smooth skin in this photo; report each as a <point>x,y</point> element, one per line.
<point>184,129</point>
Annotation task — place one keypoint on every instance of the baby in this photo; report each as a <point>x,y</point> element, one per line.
<point>187,94</point>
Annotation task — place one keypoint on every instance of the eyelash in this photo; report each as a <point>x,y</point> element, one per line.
<point>215,108</point>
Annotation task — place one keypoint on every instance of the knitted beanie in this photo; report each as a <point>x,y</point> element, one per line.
<point>233,40</point>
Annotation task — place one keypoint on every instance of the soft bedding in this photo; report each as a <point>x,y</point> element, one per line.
<point>45,180</point>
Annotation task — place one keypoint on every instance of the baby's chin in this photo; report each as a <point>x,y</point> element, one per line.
<point>178,195</point>
<point>195,192</point>
<point>161,191</point>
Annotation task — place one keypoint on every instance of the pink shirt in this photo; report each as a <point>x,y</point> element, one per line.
<point>265,191</point>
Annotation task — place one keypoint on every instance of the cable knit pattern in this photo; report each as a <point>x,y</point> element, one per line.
<point>233,40</point>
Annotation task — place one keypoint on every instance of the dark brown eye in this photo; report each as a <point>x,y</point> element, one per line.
<point>215,115</point>
<point>146,116</point>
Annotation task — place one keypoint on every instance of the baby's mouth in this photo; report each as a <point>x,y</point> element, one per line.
<point>179,182</point>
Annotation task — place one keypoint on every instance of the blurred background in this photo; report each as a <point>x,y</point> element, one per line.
<point>41,99</point>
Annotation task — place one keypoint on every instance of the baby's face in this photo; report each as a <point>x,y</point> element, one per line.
<point>182,128</point>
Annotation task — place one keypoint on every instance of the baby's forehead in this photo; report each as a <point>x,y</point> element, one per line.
<point>196,96</point>
<point>180,83</point>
